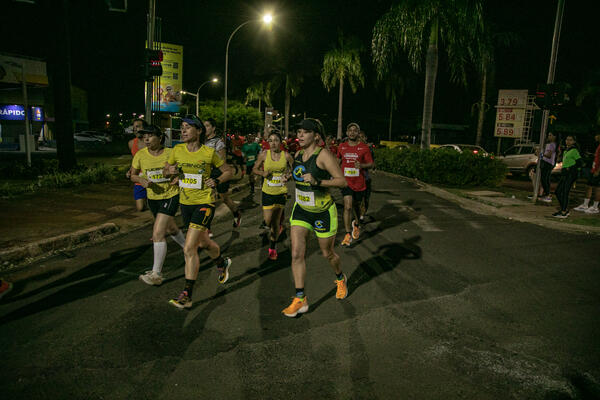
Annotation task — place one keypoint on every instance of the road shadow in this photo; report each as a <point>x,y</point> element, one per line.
<point>386,258</point>
<point>88,281</point>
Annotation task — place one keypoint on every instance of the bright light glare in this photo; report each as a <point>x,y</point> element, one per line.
<point>215,80</point>
<point>267,18</point>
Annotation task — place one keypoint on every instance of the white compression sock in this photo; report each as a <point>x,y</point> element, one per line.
<point>586,202</point>
<point>160,253</point>
<point>179,238</point>
<point>596,204</point>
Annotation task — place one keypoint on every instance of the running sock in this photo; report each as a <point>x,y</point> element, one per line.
<point>189,286</point>
<point>300,293</point>
<point>179,238</point>
<point>272,244</point>
<point>160,253</point>
<point>596,204</point>
<point>340,276</point>
<point>586,202</point>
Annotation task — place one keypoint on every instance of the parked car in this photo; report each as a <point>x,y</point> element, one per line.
<point>522,159</point>
<point>461,148</point>
<point>107,137</point>
<point>87,136</point>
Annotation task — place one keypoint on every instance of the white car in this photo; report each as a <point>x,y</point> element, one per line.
<point>87,136</point>
<point>461,148</point>
<point>522,159</point>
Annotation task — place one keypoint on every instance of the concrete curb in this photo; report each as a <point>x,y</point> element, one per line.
<point>48,246</point>
<point>19,256</point>
<point>504,212</point>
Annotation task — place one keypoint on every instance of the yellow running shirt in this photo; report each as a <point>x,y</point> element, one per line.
<point>194,170</point>
<point>152,168</point>
<point>274,185</point>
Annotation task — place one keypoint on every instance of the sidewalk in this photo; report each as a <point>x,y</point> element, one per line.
<point>512,203</point>
<point>38,225</point>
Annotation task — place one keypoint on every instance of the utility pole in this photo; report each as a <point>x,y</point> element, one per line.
<point>26,107</point>
<point>150,45</point>
<point>61,72</point>
<point>551,71</point>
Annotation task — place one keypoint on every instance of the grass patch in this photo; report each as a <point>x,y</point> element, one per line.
<point>98,173</point>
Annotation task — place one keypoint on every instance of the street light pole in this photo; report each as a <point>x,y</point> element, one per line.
<point>150,45</point>
<point>551,71</point>
<point>214,80</point>
<point>226,69</point>
<point>267,18</point>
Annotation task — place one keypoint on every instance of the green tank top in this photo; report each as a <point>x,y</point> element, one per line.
<point>311,198</point>
<point>274,185</point>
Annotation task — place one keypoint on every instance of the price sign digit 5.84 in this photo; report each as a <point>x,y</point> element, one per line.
<point>509,122</point>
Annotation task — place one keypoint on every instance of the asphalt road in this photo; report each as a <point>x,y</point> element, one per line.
<point>443,304</point>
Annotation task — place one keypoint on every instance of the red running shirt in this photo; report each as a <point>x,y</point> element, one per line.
<point>349,154</point>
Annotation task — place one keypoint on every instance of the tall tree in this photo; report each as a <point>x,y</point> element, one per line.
<point>483,57</point>
<point>260,91</point>
<point>340,64</point>
<point>418,27</point>
<point>291,81</point>
<point>588,98</point>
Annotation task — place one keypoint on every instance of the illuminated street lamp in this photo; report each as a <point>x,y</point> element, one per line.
<point>267,19</point>
<point>213,80</point>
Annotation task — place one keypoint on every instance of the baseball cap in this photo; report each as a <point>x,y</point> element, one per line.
<point>194,121</point>
<point>310,124</point>
<point>353,124</point>
<point>153,129</point>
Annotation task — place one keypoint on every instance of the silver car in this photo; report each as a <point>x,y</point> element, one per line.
<point>522,159</point>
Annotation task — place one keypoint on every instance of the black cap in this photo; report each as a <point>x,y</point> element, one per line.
<point>153,129</point>
<point>194,121</point>
<point>311,124</point>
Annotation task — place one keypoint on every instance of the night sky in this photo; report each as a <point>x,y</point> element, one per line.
<point>107,49</point>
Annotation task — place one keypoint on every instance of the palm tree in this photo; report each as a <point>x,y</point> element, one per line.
<point>340,64</point>
<point>394,88</point>
<point>589,96</point>
<point>416,25</point>
<point>292,88</point>
<point>260,91</point>
<point>483,57</point>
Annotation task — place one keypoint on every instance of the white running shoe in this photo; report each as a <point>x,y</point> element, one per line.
<point>592,210</point>
<point>581,207</point>
<point>151,278</point>
<point>547,199</point>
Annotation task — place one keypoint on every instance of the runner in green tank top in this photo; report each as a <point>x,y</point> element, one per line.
<point>315,171</point>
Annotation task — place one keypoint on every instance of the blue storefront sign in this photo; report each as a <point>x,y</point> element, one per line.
<point>15,112</point>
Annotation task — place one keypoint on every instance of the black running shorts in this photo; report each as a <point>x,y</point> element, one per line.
<point>164,206</point>
<point>197,216</point>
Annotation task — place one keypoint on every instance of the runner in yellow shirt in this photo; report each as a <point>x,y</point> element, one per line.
<point>276,164</point>
<point>189,165</point>
<point>163,198</point>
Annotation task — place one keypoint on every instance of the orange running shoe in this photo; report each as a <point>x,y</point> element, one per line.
<point>347,240</point>
<point>298,306</point>
<point>342,288</point>
<point>355,230</point>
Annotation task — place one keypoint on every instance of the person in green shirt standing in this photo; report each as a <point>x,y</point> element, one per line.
<point>250,151</point>
<point>570,170</point>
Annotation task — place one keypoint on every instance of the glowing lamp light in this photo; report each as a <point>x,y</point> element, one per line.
<point>267,18</point>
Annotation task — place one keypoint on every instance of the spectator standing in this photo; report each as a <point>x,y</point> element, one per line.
<point>571,164</point>
<point>593,176</point>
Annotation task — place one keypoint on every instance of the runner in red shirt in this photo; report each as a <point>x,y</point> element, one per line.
<point>236,151</point>
<point>355,160</point>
